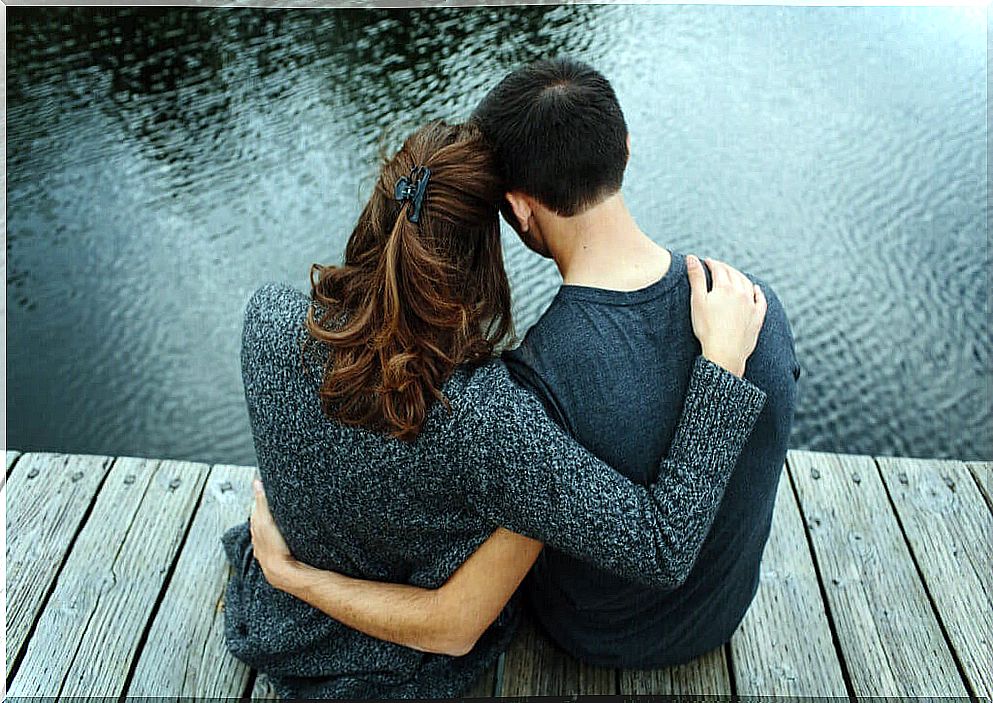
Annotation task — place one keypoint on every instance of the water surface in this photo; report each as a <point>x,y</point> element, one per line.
<point>162,163</point>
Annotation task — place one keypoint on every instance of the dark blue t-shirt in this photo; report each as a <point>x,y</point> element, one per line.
<point>612,368</point>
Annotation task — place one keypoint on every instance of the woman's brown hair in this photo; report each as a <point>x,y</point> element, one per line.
<point>414,300</point>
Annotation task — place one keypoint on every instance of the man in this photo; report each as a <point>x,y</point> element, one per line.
<point>620,318</point>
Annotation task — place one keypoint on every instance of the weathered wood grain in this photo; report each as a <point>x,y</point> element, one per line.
<point>485,685</point>
<point>983,471</point>
<point>783,647</point>
<point>87,636</point>
<point>889,637</point>
<point>263,690</point>
<point>47,499</point>
<point>705,676</point>
<point>533,666</point>
<point>185,654</point>
<point>949,528</point>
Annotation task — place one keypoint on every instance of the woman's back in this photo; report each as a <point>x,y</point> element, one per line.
<point>351,500</point>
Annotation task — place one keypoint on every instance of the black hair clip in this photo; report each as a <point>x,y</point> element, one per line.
<point>412,188</point>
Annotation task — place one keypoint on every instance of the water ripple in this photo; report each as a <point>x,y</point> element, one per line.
<point>162,162</point>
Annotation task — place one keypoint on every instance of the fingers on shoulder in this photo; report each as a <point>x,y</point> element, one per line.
<point>718,272</point>
<point>729,277</point>
<point>698,279</point>
<point>761,305</point>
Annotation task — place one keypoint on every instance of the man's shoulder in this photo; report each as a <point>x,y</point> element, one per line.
<point>555,329</point>
<point>549,350</point>
<point>774,357</point>
<point>544,347</point>
<point>772,298</point>
<point>777,335</point>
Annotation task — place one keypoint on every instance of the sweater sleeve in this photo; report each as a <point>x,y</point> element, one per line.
<point>529,476</point>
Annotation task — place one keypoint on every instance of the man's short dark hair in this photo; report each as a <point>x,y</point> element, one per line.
<point>558,132</point>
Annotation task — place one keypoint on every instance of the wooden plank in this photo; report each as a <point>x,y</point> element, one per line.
<point>485,685</point>
<point>88,633</point>
<point>948,525</point>
<point>783,647</point>
<point>889,637</point>
<point>185,654</point>
<point>704,676</point>
<point>533,666</point>
<point>263,690</point>
<point>47,499</point>
<point>983,471</point>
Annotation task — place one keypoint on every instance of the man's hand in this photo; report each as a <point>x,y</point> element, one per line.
<point>267,542</point>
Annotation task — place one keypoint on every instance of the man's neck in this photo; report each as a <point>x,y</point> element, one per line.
<point>604,248</point>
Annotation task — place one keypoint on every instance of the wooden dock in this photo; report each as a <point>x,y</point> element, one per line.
<point>877,581</point>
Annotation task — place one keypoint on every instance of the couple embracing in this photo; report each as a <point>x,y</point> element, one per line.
<point>615,473</point>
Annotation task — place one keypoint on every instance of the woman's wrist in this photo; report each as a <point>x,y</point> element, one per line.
<point>728,362</point>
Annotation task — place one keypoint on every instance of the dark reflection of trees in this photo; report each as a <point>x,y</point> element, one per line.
<point>146,51</point>
<point>436,58</point>
<point>134,65</point>
<point>176,79</point>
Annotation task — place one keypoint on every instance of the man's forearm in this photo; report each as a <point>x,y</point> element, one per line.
<point>398,613</point>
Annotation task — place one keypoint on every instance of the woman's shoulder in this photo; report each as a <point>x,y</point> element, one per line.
<point>274,325</point>
<point>274,302</point>
<point>475,384</point>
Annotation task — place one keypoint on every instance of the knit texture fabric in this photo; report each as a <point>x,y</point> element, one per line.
<point>371,506</point>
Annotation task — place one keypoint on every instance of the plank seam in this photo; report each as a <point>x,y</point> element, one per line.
<point>113,576</point>
<point>11,468</point>
<point>143,638</point>
<point>79,646</point>
<point>58,573</point>
<point>120,547</point>
<point>203,649</point>
<point>979,485</point>
<point>498,684</point>
<point>729,666</point>
<point>920,577</point>
<point>250,686</point>
<point>835,640</point>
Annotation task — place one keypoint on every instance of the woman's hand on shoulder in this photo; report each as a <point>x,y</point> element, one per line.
<point>727,318</point>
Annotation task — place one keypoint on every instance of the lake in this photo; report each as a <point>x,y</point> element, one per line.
<point>163,162</point>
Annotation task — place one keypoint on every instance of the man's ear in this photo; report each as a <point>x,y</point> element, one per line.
<point>520,208</point>
<point>627,140</point>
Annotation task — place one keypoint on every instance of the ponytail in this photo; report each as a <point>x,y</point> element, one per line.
<point>416,298</point>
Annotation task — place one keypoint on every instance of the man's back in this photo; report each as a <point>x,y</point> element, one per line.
<point>612,368</point>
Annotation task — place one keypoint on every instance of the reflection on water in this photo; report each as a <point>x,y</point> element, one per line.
<point>164,162</point>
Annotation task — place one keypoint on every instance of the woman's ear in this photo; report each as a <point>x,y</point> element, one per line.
<point>520,208</point>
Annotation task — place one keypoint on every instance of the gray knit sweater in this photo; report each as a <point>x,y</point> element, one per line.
<point>371,506</point>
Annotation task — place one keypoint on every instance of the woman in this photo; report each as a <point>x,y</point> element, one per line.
<point>397,445</point>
